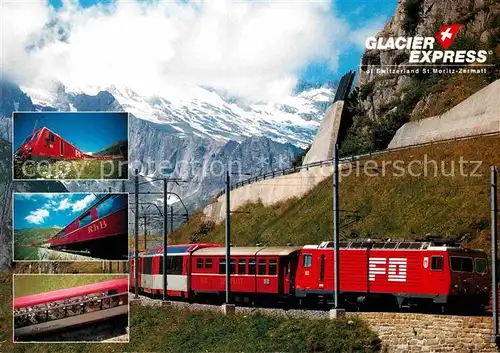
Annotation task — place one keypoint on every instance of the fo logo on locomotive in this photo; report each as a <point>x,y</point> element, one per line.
<point>393,267</point>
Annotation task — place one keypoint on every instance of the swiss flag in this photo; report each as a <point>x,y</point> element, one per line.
<point>447,34</point>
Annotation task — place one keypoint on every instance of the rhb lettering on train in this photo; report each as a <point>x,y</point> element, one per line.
<point>424,49</point>
<point>392,268</point>
<point>97,226</point>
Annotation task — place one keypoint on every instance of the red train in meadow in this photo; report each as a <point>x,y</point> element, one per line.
<point>44,144</point>
<point>101,231</point>
<point>61,309</point>
<point>422,275</point>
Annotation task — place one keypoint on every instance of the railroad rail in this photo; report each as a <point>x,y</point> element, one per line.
<point>354,158</point>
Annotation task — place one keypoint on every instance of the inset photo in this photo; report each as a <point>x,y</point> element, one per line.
<point>71,308</point>
<point>70,145</point>
<point>70,226</point>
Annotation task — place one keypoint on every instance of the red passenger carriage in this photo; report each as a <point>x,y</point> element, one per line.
<point>256,272</point>
<point>102,230</point>
<point>178,269</point>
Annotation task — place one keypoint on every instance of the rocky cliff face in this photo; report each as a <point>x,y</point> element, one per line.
<point>384,102</point>
<point>201,161</point>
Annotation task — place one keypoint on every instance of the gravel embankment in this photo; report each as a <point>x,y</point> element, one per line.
<point>292,313</point>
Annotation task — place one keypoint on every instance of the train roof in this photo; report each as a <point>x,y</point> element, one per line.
<point>120,284</point>
<point>177,249</point>
<point>249,251</point>
<point>396,244</point>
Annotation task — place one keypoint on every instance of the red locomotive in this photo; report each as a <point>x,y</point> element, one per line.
<point>395,273</point>
<point>382,274</point>
<point>102,230</point>
<point>44,144</point>
<point>60,309</point>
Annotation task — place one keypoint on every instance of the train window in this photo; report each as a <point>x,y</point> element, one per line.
<point>251,267</point>
<point>272,267</point>
<point>199,263</point>
<point>322,268</point>
<point>51,138</point>
<point>242,264</point>
<point>307,260</point>
<point>262,267</point>
<point>481,266</point>
<point>461,264</point>
<point>148,266</point>
<point>61,234</point>
<point>208,263</point>
<point>222,267</point>
<point>85,220</point>
<point>232,267</point>
<point>174,265</point>
<point>110,205</point>
<point>436,263</point>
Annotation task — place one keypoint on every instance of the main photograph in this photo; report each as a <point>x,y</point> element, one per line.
<point>309,175</point>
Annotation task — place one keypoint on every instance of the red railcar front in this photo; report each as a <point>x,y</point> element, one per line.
<point>394,274</point>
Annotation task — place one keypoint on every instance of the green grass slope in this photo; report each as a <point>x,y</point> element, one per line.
<point>384,205</point>
<point>23,237</point>
<point>119,148</point>
<point>154,329</point>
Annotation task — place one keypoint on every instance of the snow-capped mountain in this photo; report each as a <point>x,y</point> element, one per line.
<point>205,113</point>
<point>197,137</point>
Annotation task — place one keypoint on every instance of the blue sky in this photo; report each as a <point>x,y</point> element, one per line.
<point>49,210</point>
<point>90,132</point>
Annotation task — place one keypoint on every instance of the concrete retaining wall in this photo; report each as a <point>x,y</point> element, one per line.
<point>402,332</point>
<point>269,191</point>
<point>478,114</point>
<point>322,146</point>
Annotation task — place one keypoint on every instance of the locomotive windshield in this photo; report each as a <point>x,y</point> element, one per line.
<point>461,264</point>
<point>31,137</point>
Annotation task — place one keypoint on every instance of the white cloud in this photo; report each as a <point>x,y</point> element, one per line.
<point>83,204</point>
<point>37,217</point>
<point>253,49</point>
<point>64,205</point>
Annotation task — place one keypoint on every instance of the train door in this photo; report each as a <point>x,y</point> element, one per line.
<point>61,148</point>
<point>287,275</point>
<point>436,277</point>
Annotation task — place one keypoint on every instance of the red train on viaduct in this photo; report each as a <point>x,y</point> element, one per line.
<point>44,144</point>
<point>422,275</point>
<point>101,231</point>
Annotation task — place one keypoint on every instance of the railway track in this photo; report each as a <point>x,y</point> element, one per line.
<point>276,312</point>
